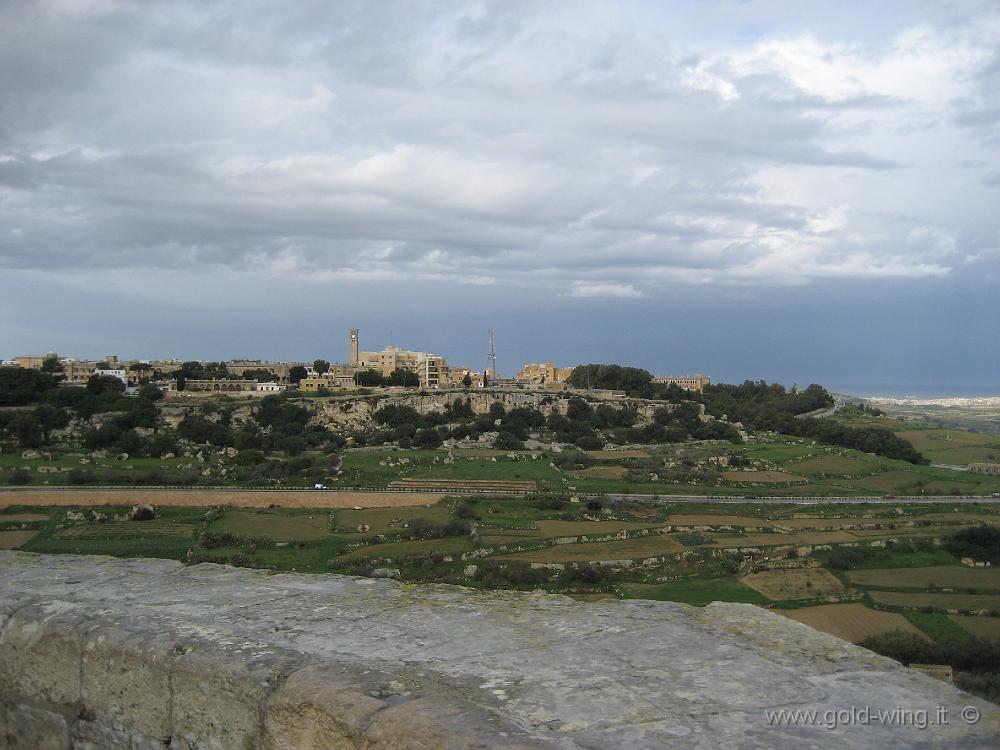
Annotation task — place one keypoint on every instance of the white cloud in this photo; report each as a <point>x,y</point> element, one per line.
<point>604,289</point>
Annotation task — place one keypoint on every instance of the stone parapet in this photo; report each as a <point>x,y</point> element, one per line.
<point>98,652</point>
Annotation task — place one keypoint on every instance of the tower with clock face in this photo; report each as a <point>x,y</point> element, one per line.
<point>353,351</point>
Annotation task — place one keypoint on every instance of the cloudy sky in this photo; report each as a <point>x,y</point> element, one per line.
<point>748,189</point>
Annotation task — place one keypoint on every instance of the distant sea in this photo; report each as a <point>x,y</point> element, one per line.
<point>916,391</point>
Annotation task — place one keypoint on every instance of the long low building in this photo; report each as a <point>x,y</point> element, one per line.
<point>687,382</point>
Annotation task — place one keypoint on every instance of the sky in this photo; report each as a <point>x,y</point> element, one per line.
<point>800,192</point>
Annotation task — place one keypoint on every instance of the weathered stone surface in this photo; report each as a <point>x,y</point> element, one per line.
<point>99,652</point>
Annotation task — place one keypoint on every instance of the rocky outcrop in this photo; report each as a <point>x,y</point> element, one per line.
<point>105,653</point>
<point>357,411</point>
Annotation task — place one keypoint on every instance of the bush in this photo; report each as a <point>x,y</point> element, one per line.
<point>19,476</point>
<point>589,442</point>
<point>980,542</point>
<point>572,460</point>
<point>507,441</point>
<point>589,574</point>
<point>81,476</point>
<point>595,504</point>
<point>466,511</point>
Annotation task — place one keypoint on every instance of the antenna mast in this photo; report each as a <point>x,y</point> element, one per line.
<point>492,356</point>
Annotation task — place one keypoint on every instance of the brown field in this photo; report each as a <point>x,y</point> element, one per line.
<point>938,576</point>
<point>981,627</point>
<point>299,528</point>
<point>783,585</point>
<point>852,622</point>
<point>628,549</point>
<point>575,528</point>
<point>612,455</point>
<point>501,485</point>
<point>22,517</point>
<point>205,498</point>
<point>767,477</point>
<point>942,601</point>
<point>709,519</point>
<point>839,465</point>
<point>600,472</point>
<point>156,527</point>
<point>14,539</point>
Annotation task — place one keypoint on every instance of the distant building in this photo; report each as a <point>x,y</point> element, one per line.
<point>991,469</point>
<point>432,369</point>
<point>271,387</point>
<point>687,382</point>
<point>327,382</point>
<point>543,373</point>
<point>217,386</point>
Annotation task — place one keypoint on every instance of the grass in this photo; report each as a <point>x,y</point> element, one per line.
<point>389,520</point>
<point>397,550</point>
<point>276,525</point>
<point>980,627</point>
<point>954,446</point>
<point>762,477</point>
<point>885,558</point>
<point>930,577</point>
<point>938,626</point>
<point>833,465</point>
<point>167,547</point>
<point>938,601</point>
<point>699,591</point>
<point>627,549</point>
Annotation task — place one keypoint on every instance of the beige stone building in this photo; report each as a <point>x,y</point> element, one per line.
<point>687,382</point>
<point>991,469</point>
<point>545,372</point>
<point>329,382</point>
<point>432,369</point>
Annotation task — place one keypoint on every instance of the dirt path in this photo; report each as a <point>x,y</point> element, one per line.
<point>242,499</point>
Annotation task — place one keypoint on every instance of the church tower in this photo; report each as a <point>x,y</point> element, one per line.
<point>352,354</point>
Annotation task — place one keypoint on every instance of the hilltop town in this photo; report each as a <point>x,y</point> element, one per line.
<point>392,367</point>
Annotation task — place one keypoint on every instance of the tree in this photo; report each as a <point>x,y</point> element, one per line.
<point>369,379</point>
<point>28,430</point>
<point>98,384</point>
<point>20,386</point>
<point>405,378</point>
<point>296,373</point>
<point>321,366</point>
<point>53,366</point>
<point>150,392</point>
<point>507,441</point>
<point>467,380</point>
<point>181,382</point>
